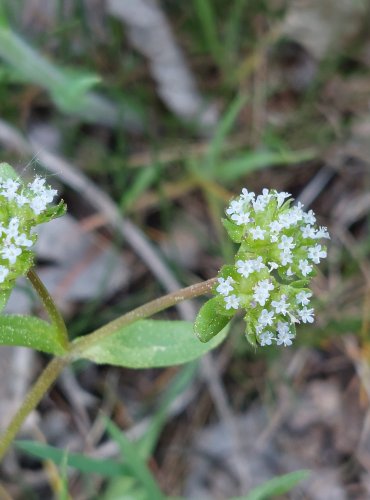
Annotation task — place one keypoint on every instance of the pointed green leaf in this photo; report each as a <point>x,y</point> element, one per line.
<point>7,172</point>
<point>31,332</point>
<point>103,467</point>
<point>234,231</point>
<point>149,344</point>
<point>276,487</point>
<point>147,443</point>
<point>209,321</point>
<point>135,463</point>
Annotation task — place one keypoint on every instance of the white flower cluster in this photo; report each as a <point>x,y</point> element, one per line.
<point>22,207</point>
<point>278,250</point>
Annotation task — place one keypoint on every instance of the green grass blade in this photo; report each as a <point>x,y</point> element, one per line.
<point>141,183</point>
<point>208,23</point>
<point>103,467</point>
<point>276,486</point>
<point>233,168</point>
<point>134,462</point>
<point>223,129</point>
<point>180,382</point>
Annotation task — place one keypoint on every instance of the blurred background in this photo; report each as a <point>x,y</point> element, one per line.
<point>147,116</point>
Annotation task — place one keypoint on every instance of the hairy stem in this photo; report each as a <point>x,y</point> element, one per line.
<point>50,306</point>
<point>34,396</point>
<point>141,312</point>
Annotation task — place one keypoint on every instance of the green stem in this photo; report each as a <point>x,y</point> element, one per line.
<point>42,385</point>
<point>49,304</point>
<point>148,309</point>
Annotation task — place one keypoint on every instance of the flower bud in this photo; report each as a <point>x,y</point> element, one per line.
<point>22,207</point>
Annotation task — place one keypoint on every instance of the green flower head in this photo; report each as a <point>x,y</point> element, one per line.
<point>279,247</point>
<point>22,207</point>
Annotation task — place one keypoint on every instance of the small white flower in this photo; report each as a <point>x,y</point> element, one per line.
<point>10,189</point>
<point>4,271</point>
<point>316,253</point>
<point>245,267</point>
<point>258,233</point>
<point>303,298</point>
<point>240,219</point>
<point>281,306</point>
<point>21,200</point>
<point>322,232</point>
<point>262,291</point>
<point>296,214</point>
<point>286,219</point>
<point>224,287</point>
<point>247,196</point>
<point>281,197</point>
<point>286,243</point>
<point>37,186</point>
<point>275,226</point>
<point>266,195</point>
<point>258,264</point>
<point>49,194</point>
<point>12,230</point>
<point>286,257</point>
<point>38,205</point>
<point>309,217</point>
<point>232,302</point>
<point>285,338</point>
<point>259,204</point>
<point>283,327</point>
<point>11,252</point>
<point>308,232</point>
<point>235,207</point>
<point>22,241</point>
<point>266,338</point>
<point>266,318</point>
<point>305,267</point>
<point>306,315</point>
<point>273,266</point>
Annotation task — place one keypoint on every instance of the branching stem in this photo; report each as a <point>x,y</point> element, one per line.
<point>50,306</point>
<point>54,368</point>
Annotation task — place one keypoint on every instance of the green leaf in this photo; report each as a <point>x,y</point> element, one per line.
<point>234,231</point>
<point>150,344</point>
<point>250,161</point>
<point>103,467</point>
<point>7,172</point>
<point>276,486</point>
<point>207,18</point>
<point>31,332</point>
<point>134,462</point>
<point>124,488</point>
<point>68,94</point>
<point>209,322</point>
<point>180,382</point>
<point>224,127</point>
